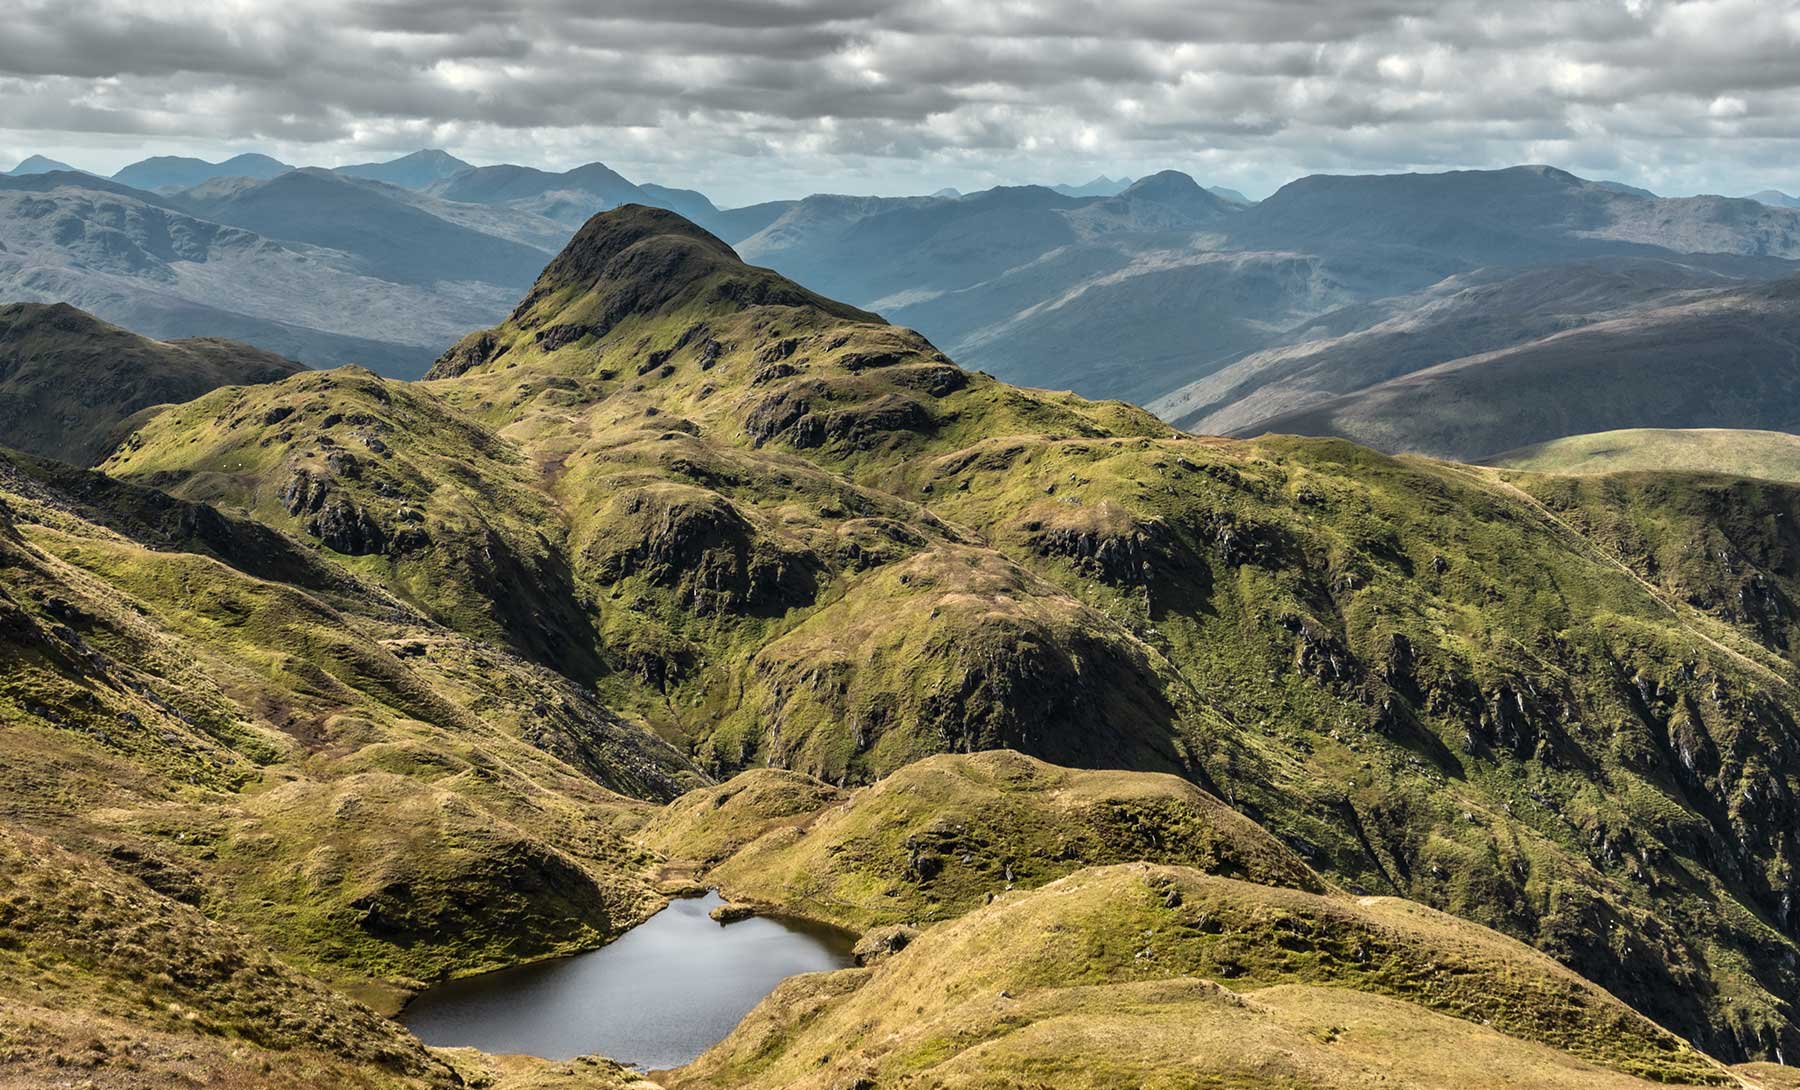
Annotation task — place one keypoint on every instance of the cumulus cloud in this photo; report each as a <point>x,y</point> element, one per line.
<point>756,98</point>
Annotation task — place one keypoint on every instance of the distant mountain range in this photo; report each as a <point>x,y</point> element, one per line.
<point>379,264</point>
<point>1219,313</point>
<point>1776,199</point>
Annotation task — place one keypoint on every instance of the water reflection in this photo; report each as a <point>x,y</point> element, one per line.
<point>660,995</point>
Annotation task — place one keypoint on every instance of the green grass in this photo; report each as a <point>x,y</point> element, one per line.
<point>945,834</point>
<point>1770,455</point>
<point>1110,974</point>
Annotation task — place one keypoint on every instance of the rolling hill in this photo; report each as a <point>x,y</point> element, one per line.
<point>1460,316</point>
<point>68,380</point>
<point>1724,360</point>
<point>1771,455</point>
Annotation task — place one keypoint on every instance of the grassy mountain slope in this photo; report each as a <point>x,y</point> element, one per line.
<point>203,703</point>
<point>1724,360</point>
<point>797,536</point>
<point>67,380</point>
<point>1107,975</point>
<point>123,984</point>
<point>1772,455</point>
<point>934,839</point>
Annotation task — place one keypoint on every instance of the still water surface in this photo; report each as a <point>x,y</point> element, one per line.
<point>664,992</point>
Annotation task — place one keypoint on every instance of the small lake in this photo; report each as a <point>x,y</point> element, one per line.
<point>658,996</point>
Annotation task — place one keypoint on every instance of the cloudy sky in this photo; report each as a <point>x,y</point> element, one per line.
<point>752,99</point>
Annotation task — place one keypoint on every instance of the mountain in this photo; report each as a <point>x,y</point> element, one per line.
<point>141,261</point>
<point>418,170</point>
<point>171,173</point>
<point>736,224</point>
<point>1621,187</point>
<point>1776,199</point>
<point>780,533</point>
<point>1362,344</point>
<point>899,252</point>
<point>1164,292</point>
<point>1771,455</point>
<point>1725,359</point>
<point>690,203</point>
<point>1174,190</point>
<point>569,197</point>
<point>1144,300</point>
<point>1101,186</point>
<point>1230,195</point>
<point>1460,220</point>
<point>38,164</point>
<point>67,379</point>
<point>390,238</point>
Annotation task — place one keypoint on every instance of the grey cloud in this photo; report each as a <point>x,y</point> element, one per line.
<point>754,97</point>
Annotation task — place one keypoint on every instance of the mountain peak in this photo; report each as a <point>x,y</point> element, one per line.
<point>40,164</point>
<point>19,318</point>
<point>1176,191</point>
<point>1165,184</point>
<point>415,170</point>
<point>635,261</point>
<point>608,236</point>
<point>67,378</point>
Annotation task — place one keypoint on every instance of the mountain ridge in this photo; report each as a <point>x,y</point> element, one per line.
<point>68,381</point>
<point>172,173</point>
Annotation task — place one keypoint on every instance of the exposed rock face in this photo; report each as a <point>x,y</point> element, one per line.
<point>883,942</point>
<point>700,544</point>
<point>344,527</point>
<point>338,522</point>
